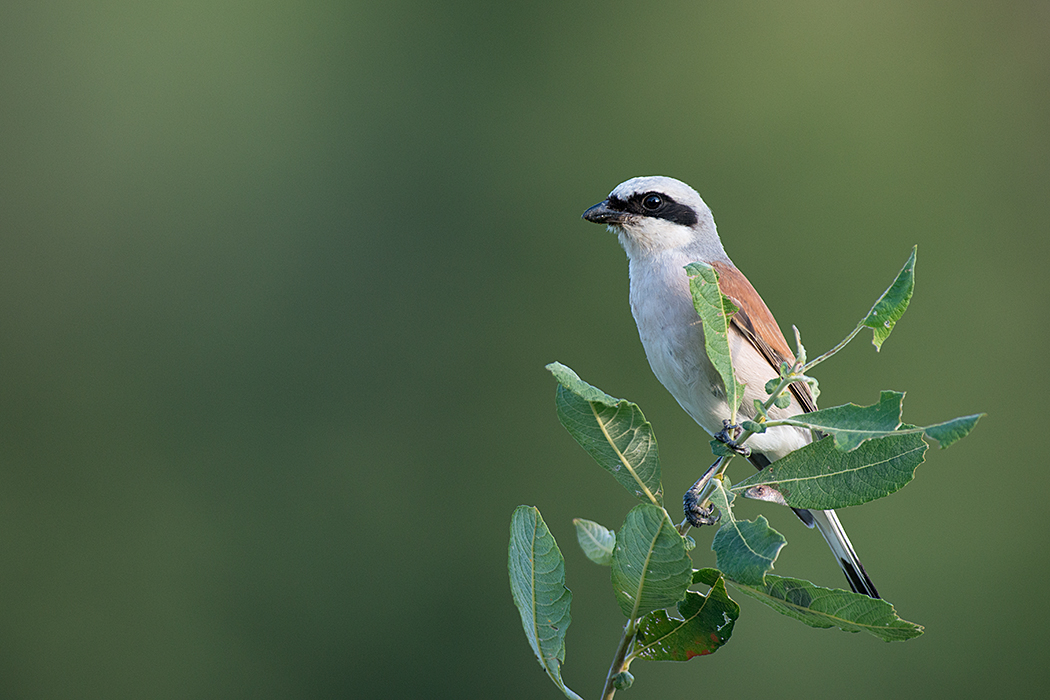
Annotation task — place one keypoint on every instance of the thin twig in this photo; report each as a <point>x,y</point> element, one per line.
<point>813,363</point>
<point>617,663</point>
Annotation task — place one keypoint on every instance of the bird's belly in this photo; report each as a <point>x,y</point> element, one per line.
<point>676,355</point>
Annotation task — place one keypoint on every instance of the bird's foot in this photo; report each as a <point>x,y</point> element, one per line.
<point>696,513</point>
<point>728,435</point>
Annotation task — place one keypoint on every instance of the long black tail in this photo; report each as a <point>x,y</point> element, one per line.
<point>827,523</point>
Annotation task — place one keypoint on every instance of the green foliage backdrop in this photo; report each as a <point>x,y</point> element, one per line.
<point>279,280</point>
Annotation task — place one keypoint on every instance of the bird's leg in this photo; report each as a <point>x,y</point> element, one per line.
<point>698,510</point>
<point>728,435</point>
<point>696,513</point>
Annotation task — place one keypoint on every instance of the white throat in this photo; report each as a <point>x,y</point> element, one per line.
<point>659,239</point>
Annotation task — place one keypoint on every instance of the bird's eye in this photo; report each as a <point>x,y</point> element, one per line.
<point>652,201</point>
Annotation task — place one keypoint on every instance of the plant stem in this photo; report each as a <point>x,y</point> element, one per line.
<point>617,663</point>
<point>832,351</point>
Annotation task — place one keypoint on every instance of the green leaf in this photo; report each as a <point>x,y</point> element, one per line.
<point>705,624</point>
<point>892,304</point>
<point>707,576</point>
<point>613,431</point>
<point>822,477</point>
<point>596,541</point>
<point>720,449</point>
<point>537,582</point>
<point>952,431</point>
<point>716,312</point>
<point>650,568</point>
<point>831,607</point>
<point>745,549</point>
<point>850,425</point>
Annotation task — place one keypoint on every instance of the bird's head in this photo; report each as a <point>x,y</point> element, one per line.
<point>658,214</point>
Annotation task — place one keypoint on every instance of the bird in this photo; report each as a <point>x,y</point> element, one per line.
<point>663,225</point>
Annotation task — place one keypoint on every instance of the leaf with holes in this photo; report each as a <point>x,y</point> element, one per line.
<point>613,431</point>
<point>704,624</point>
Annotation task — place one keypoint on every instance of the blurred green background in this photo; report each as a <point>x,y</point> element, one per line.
<point>278,281</point>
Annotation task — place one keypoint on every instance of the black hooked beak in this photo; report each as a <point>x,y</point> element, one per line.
<point>602,213</point>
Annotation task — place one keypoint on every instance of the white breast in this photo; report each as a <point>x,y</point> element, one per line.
<point>673,339</point>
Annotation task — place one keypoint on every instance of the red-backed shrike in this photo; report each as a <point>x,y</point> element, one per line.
<point>663,224</point>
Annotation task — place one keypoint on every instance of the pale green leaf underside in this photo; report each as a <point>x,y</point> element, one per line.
<point>830,607</point>
<point>596,541</point>
<point>613,431</point>
<point>716,312</point>
<point>650,568</point>
<point>822,477</point>
<point>537,583</point>
<point>745,549</point>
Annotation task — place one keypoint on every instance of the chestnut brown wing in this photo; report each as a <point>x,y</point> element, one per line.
<point>756,323</point>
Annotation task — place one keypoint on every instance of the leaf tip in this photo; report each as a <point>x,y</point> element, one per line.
<point>699,267</point>
<point>558,369</point>
<point>950,432</point>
